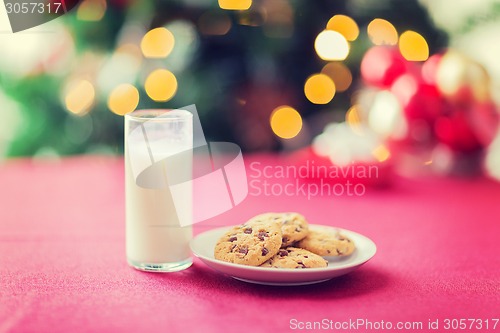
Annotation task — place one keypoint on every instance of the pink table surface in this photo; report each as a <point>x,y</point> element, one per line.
<point>63,269</point>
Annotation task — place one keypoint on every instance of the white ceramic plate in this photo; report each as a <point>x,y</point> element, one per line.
<point>203,247</point>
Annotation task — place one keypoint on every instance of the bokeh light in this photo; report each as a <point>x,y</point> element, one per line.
<point>28,54</point>
<point>430,69</point>
<point>157,43</point>
<point>492,159</point>
<point>450,75</point>
<point>385,117</point>
<point>215,23</point>
<point>319,89</point>
<point>161,85</point>
<point>321,145</point>
<point>331,45</point>
<point>344,146</point>
<point>382,65</point>
<point>121,67</point>
<point>186,45</point>
<point>344,25</point>
<point>405,88</point>
<point>91,10</point>
<point>413,46</point>
<point>382,32</point>
<point>381,153</point>
<point>340,74</point>
<point>123,99</point>
<point>286,122</point>
<point>80,97</point>
<point>235,4</point>
<point>457,73</point>
<point>353,119</point>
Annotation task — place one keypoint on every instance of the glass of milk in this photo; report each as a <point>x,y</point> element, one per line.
<point>158,154</point>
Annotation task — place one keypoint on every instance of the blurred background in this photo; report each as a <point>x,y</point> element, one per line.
<point>410,83</point>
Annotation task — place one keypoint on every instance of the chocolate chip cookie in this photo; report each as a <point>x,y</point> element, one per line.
<point>327,243</point>
<point>249,244</point>
<point>292,257</point>
<point>294,226</point>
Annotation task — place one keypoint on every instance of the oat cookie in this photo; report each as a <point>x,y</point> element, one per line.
<point>249,244</point>
<point>327,243</point>
<point>294,226</point>
<point>292,257</point>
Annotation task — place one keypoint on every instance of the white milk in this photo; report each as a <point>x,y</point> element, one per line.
<point>154,238</point>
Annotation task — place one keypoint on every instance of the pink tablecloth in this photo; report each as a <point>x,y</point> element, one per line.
<point>62,265</point>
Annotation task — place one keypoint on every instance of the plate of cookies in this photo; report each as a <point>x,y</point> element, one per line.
<point>282,249</point>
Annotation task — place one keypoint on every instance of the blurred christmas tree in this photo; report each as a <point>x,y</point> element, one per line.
<point>237,60</point>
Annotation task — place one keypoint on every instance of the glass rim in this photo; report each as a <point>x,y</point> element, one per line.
<point>159,114</point>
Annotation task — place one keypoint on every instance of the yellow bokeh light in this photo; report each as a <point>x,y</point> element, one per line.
<point>286,122</point>
<point>123,99</point>
<point>157,43</point>
<point>161,85</point>
<point>340,74</point>
<point>353,119</point>
<point>80,97</point>
<point>319,89</point>
<point>344,25</point>
<point>352,116</point>
<point>413,46</point>
<point>235,4</point>
<point>331,45</point>
<point>381,153</point>
<point>91,10</point>
<point>382,32</point>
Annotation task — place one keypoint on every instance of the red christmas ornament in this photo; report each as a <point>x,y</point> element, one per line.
<point>430,69</point>
<point>484,121</point>
<point>455,131</point>
<point>419,100</point>
<point>382,65</point>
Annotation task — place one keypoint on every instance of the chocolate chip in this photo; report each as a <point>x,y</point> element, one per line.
<point>283,253</point>
<point>339,252</point>
<point>233,238</point>
<point>248,231</point>
<point>264,251</point>
<point>262,234</point>
<point>328,251</point>
<point>243,250</point>
<point>301,264</point>
<point>284,239</point>
<point>233,247</point>
<point>306,257</point>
